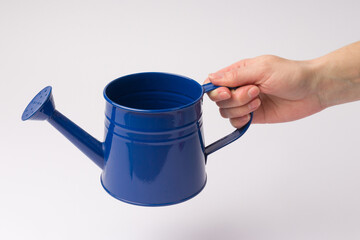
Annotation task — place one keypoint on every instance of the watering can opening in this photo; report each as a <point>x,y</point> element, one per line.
<point>149,92</point>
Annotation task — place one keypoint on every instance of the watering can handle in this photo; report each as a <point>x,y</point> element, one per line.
<point>228,138</point>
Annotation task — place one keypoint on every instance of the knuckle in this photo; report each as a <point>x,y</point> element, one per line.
<point>241,96</point>
<point>266,63</point>
<point>223,112</point>
<point>244,62</point>
<point>231,75</point>
<point>234,124</point>
<point>268,58</point>
<point>221,104</point>
<point>237,123</point>
<point>237,99</point>
<point>255,104</point>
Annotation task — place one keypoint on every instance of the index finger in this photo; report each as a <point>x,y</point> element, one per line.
<point>239,64</point>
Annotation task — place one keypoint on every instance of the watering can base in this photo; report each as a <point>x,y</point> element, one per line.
<point>144,204</point>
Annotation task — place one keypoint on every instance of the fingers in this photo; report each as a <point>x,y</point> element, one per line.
<point>236,77</point>
<point>220,94</point>
<point>239,103</point>
<point>224,97</point>
<point>236,104</point>
<point>240,111</point>
<point>239,96</point>
<point>239,116</point>
<point>240,121</point>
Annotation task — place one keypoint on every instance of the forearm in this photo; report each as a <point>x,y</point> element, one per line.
<point>337,75</point>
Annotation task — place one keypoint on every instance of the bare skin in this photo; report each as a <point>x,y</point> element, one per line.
<point>281,90</point>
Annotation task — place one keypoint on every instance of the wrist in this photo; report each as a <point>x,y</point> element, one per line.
<point>319,81</point>
<point>333,82</point>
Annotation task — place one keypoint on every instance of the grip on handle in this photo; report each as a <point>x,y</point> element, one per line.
<point>228,138</point>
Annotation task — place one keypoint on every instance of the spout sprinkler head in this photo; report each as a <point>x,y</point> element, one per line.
<point>41,107</point>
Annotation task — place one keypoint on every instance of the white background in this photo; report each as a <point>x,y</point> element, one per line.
<point>297,180</point>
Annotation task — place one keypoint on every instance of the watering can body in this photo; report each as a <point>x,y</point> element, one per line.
<point>153,153</point>
<point>154,158</point>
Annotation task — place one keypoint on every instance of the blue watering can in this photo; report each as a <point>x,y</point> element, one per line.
<point>154,152</point>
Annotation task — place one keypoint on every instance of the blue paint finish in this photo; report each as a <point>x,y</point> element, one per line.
<point>154,152</point>
<point>40,107</point>
<point>81,139</point>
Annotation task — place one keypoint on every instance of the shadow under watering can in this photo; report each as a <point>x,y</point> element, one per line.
<point>154,152</point>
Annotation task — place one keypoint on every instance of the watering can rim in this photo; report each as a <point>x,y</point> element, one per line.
<point>138,110</point>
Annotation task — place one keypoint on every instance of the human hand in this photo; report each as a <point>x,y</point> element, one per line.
<point>273,88</point>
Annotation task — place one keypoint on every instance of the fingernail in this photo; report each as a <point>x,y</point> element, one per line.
<point>223,96</point>
<point>216,75</point>
<point>253,92</point>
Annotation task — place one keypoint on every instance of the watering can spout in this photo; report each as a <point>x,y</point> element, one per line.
<point>42,107</point>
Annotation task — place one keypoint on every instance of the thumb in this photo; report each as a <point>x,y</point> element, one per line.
<point>235,77</point>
